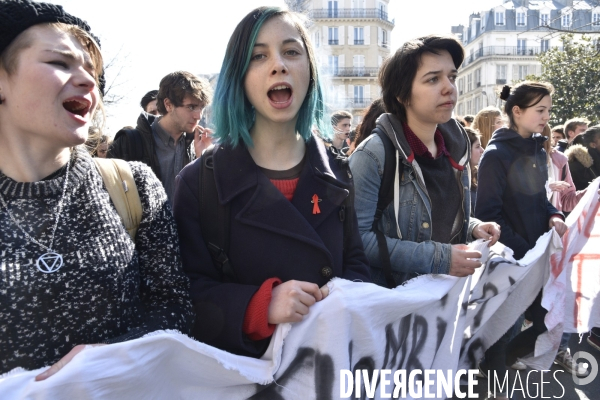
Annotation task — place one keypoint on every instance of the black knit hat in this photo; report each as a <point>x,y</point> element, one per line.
<point>18,15</point>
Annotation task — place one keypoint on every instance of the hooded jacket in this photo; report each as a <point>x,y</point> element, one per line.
<point>584,165</point>
<point>407,222</point>
<point>511,189</point>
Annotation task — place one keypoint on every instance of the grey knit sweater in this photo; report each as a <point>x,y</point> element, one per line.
<point>108,290</point>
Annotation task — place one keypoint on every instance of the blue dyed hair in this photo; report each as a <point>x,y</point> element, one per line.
<point>233,113</point>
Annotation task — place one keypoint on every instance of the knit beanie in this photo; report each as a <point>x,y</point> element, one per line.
<point>17,16</point>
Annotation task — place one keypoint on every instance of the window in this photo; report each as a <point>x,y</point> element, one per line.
<point>384,38</point>
<point>359,94</point>
<point>333,65</point>
<point>358,63</point>
<point>359,35</point>
<point>317,39</point>
<point>461,108</point>
<point>521,46</point>
<point>499,17</point>
<point>383,11</point>
<point>478,77</point>
<point>480,50</point>
<point>544,18</point>
<point>333,35</point>
<point>469,82</point>
<point>596,18</point>
<point>522,72</point>
<point>566,20</point>
<point>461,86</point>
<point>332,9</point>
<point>476,105</point>
<point>545,45</point>
<point>469,107</point>
<point>521,17</point>
<point>500,74</point>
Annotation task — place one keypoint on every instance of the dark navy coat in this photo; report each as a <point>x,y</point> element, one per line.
<point>269,237</point>
<point>511,189</point>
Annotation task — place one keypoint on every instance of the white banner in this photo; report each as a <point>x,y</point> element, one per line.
<point>433,322</point>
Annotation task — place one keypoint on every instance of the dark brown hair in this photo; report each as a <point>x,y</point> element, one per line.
<point>524,95</point>
<point>473,137</point>
<point>368,123</point>
<point>398,72</point>
<point>177,85</point>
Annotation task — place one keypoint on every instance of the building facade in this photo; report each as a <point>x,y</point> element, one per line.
<point>502,44</point>
<point>351,38</point>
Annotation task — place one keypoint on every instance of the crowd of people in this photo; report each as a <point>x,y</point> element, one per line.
<point>240,227</point>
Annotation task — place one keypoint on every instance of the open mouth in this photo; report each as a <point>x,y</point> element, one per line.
<point>280,94</point>
<point>77,106</point>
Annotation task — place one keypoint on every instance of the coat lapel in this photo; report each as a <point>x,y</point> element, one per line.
<point>267,208</point>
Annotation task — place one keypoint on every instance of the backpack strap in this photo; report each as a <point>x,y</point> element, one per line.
<point>121,188</point>
<point>214,217</point>
<point>385,197</point>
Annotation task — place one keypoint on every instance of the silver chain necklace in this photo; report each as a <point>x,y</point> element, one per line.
<point>50,261</point>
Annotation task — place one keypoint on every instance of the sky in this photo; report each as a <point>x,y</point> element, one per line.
<point>145,40</point>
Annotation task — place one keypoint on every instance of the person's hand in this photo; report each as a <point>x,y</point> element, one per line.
<point>559,186</point>
<point>202,139</point>
<point>558,224</point>
<point>290,301</point>
<point>64,361</point>
<point>463,260</point>
<point>488,231</point>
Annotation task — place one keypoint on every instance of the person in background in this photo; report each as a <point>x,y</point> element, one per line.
<point>285,190</point>
<point>511,191</point>
<point>486,122</point>
<point>368,123</point>
<point>165,142</point>
<point>70,273</point>
<point>584,157</point>
<point>97,143</point>
<point>572,128</point>
<point>148,103</point>
<point>560,190</point>
<point>468,120</point>
<point>341,121</point>
<point>557,133</point>
<point>476,153</point>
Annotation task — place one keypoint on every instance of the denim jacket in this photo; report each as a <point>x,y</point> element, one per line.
<point>408,236</point>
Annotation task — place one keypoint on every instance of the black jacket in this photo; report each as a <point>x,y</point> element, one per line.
<point>270,236</point>
<point>511,189</point>
<point>584,164</point>
<point>138,144</point>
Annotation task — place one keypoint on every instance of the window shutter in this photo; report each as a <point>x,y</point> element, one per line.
<point>351,92</point>
<point>515,72</point>
<point>379,36</point>
<point>341,34</point>
<point>367,34</point>
<point>341,61</point>
<point>350,35</point>
<point>379,61</point>
<point>367,92</point>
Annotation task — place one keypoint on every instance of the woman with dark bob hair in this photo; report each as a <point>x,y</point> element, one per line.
<point>284,191</point>
<point>70,274</point>
<point>427,223</point>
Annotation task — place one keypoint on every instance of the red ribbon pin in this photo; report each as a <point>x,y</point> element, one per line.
<point>315,201</point>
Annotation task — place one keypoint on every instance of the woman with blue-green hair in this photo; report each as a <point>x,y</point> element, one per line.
<point>291,225</point>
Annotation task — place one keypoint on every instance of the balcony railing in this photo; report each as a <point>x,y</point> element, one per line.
<point>325,13</point>
<point>351,71</point>
<point>359,41</point>
<point>334,42</point>
<point>350,103</point>
<point>502,51</point>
